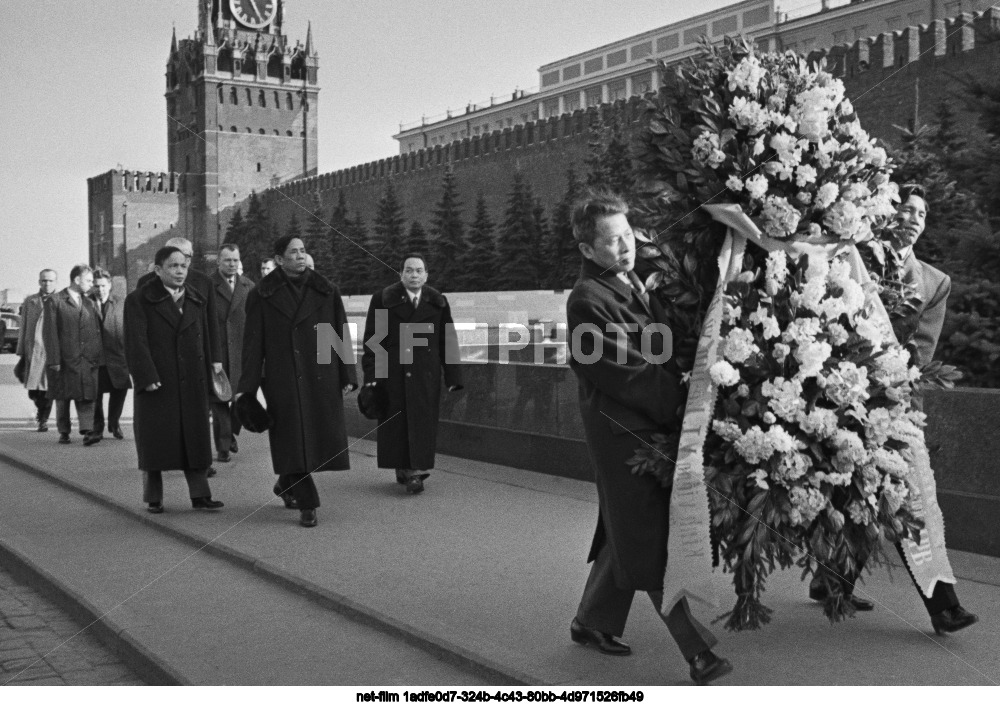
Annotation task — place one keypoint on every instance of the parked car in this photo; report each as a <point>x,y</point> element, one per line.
<point>13,322</point>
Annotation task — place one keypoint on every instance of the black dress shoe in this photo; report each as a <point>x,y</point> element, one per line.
<point>64,438</point>
<point>706,667</point>
<point>401,476</point>
<point>234,447</point>
<point>223,457</point>
<point>307,518</point>
<point>953,620</point>
<point>818,592</point>
<point>415,485</point>
<point>91,439</point>
<point>43,426</point>
<point>155,508</point>
<point>290,502</point>
<point>117,433</point>
<point>608,644</point>
<point>206,503</point>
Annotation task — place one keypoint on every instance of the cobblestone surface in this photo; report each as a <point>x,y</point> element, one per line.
<point>39,644</point>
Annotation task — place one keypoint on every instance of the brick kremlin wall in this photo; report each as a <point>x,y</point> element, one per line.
<point>891,78</point>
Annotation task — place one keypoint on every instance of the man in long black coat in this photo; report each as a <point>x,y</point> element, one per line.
<point>288,314</point>
<point>73,353</point>
<point>626,395</point>
<point>410,342</point>
<point>169,356</point>
<point>112,376</point>
<point>231,291</point>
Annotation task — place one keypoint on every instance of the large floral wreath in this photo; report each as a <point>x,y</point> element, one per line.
<point>813,435</point>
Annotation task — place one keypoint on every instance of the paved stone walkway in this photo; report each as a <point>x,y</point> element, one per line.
<point>39,644</point>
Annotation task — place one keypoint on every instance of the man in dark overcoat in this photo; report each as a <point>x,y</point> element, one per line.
<point>112,377</point>
<point>168,354</point>
<point>627,393</point>
<point>31,347</point>
<point>290,312</point>
<point>918,331</point>
<point>410,343</point>
<point>231,291</point>
<point>73,353</point>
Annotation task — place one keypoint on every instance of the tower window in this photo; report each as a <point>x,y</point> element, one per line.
<point>261,131</point>
<point>249,98</point>
<point>258,166</point>
<point>221,97</point>
<point>233,97</point>
<point>276,132</point>
<point>187,163</point>
<point>249,131</point>
<point>288,133</point>
<point>288,101</point>
<point>261,101</point>
<point>232,128</point>
<point>277,100</point>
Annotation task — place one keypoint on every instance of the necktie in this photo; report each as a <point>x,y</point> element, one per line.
<point>232,283</point>
<point>416,300</point>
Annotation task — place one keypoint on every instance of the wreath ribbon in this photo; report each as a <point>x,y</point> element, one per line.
<point>689,572</point>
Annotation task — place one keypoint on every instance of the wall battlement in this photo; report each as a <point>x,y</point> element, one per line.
<point>938,40</point>
<point>520,138</point>
<point>133,181</point>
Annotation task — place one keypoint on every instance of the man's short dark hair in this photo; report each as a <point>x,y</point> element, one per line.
<point>79,270</point>
<point>164,253</point>
<point>594,204</point>
<point>908,190</point>
<point>412,256</point>
<point>233,247</point>
<point>282,243</point>
<point>268,259</point>
<point>101,273</point>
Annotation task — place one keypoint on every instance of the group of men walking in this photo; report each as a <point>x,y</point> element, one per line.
<point>182,328</point>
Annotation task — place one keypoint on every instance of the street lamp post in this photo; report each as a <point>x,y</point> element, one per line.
<point>125,241</point>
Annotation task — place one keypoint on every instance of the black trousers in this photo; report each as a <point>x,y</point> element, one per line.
<point>301,487</point>
<point>43,404</point>
<point>152,485</point>
<point>605,607</point>
<point>116,403</point>
<point>84,413</point>
<point>943,597</point>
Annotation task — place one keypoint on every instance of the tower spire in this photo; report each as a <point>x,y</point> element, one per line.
<point>309,39</point>
<point>173,41</point>
<point>206,28</point>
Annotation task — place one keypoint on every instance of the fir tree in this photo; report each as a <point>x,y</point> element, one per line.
<point>543,253</point>
<point>293,230</point>
<point>565,254</point>
<point>609,160</point>
<point>236,227</point>
<point>479,254</point>
<point>337,234</point>
<point>257,237</point>
<point>447,228</point>
<point>355,262</point>
<point>516,266</point>
<point>416,241</point>
<point>947,139</point>
<point>389,238</point>
<point>317,238</point>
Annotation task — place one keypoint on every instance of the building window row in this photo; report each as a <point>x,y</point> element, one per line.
<point>262,98</point>
<point>261,131</point>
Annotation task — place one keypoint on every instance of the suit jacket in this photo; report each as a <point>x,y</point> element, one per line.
<point>624,399</point>
<point>113,339</point>
<point>924,326</point>
<point>73,342</point>
<point>231,317</point>
<point>407,436</point>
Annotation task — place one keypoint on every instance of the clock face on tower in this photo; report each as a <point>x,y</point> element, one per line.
<point>253,13</point>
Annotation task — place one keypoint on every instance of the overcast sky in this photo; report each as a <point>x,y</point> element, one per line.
<point>82,86</point>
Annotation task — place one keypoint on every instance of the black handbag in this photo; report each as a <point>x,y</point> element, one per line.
<point>372,402</point>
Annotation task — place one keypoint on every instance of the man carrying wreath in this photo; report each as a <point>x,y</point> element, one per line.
<point>625,398</point>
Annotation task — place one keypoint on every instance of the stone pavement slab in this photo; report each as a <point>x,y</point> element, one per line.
<point>489,562</point>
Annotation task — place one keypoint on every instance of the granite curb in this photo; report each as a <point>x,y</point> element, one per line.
<point>436,646</point>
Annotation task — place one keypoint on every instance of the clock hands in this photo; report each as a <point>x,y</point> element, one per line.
<point>260,15</point>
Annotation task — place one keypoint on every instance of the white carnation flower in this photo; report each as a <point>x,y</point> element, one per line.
<point>780,218</point>
<point>820,423</point>
<point>781,352</point>
<point>706,151</point>
<point>739,345</point>
<point>807,503</point>
<point>844,219</point>
<point>723,374</point>
<point>734,183</point>
<point>805,174</point>
<point>754,446</point>
<point>826,195</point>
<point>747,75</point>
<point>838,334</point>
<point>730,431</point>
<point>847,384</point>
<point>748,113</point>
<point>811,357</point>
<point>784,398</point>
<point>757,186</point>
<point>769,325</point>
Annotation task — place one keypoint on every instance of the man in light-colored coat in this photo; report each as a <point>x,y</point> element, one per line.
<point>31,347</point>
